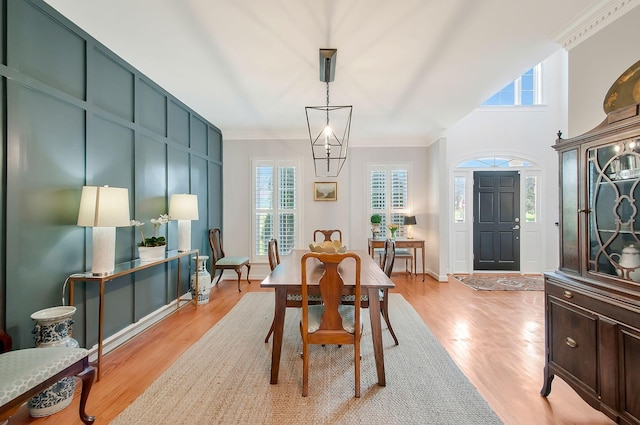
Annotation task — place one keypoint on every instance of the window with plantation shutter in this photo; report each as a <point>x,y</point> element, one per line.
<point>389,195</point>
<point>275,206</point>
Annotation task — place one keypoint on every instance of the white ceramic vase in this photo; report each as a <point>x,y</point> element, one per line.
<point>53,329</point>
<point>149,254</point>
<point>204,280</point>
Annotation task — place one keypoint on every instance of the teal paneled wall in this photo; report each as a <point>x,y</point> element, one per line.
<point>199,136</point>
<point>45,153</point>
<point>111,85</point>
<point>152,108</point>
<point>77,114</point>
<point>3,82</point>
<point>178,124</point>
<point>57,60</point>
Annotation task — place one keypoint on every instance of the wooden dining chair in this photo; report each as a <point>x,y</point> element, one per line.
<point>219,261</point>
<point>294,300</point>
<point>274,260</point>
<point>273,254</point>
<point>327,234</point>
<point>388,259</point>
<point>330,322</point>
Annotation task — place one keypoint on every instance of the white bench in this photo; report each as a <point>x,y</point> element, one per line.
<point>26,373</point>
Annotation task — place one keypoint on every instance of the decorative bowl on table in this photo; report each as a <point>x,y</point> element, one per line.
<point>328,246</point>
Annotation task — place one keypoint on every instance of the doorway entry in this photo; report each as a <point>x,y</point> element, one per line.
<point>496,220</point>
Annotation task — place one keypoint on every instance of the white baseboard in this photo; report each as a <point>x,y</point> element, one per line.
<point>134,329</point>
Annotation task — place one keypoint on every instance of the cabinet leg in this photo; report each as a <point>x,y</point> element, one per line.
<point>548,378</point>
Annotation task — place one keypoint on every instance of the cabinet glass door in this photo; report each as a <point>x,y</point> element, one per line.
<point>613,174</point>
<point>569,248</point>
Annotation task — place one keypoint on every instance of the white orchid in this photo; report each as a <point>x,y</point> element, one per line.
<point>157,222</point>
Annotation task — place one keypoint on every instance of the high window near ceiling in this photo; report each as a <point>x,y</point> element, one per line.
<point>526,90</point>
<point>389,195</point>
<point>275,186</point>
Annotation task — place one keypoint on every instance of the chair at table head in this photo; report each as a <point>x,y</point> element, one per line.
<point>219,261</point>
<point>331,322</point>
<point>273,254</point>
<point>327,234</point>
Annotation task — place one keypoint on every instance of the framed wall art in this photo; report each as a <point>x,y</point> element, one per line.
<point>325,191</point>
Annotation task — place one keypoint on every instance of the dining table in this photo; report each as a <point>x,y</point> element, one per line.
<point>286,279</point>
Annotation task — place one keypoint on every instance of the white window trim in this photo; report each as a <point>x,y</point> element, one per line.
<point>297,162</point>
<point>408,166</point>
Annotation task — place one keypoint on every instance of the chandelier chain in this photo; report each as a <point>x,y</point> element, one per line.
<point>327,94</point>
<point>327,103</point>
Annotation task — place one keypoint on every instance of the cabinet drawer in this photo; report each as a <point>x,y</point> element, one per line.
<point>566,293</point>
<point>405,244</point>
<point>573,341</point>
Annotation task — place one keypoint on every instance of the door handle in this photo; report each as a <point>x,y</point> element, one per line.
<point>516,227</point>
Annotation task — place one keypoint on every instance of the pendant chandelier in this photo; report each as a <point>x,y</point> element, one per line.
<point>329,126</point>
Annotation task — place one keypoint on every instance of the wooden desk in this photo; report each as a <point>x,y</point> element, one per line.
<point>121,270</point>
<point>286,277</point>
<point>402,243</point>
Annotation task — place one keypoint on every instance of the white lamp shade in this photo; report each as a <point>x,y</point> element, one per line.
<point>104,206</point>
<point>183,207</point>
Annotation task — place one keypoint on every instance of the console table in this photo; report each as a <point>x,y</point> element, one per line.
<point>402,243</point>
<point>123,269</point>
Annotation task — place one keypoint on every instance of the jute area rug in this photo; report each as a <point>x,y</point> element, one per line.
<point>224,378</point>
<point>502,282</point>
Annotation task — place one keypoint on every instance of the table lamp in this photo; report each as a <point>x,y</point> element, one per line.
<point>410,221</point>
<point>184,208</point>
<point>103,208</point>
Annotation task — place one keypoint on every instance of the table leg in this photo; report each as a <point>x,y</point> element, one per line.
<point>71,290</point>
<point>178,285</point>
<point>376,334</point>
<point>278,330</point>
<point>422,263</point>
<point>197,292</point>
<point>100,330</point>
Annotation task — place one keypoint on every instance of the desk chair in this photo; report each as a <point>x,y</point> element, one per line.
<point>293,300</point>
<point>219,261</point>
<point>330,322</point>
<point>401,254</point>
<point>327,234</point>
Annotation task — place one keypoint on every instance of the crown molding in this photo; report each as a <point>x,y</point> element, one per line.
<point>591,20</point>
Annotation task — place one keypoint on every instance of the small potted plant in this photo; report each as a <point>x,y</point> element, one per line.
<point>152,248</point>
<point>376,219</point>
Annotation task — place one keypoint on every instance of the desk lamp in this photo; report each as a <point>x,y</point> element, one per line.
<point>410,221</point>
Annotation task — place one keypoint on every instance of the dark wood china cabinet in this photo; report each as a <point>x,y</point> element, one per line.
<point>592,302</point>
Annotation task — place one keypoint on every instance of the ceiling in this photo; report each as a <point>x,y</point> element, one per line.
<point>410,68</point>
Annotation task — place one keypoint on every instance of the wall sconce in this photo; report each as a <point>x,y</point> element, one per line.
<point>410,221</point>
<point>184,208</point>
<point>103,208</point>
<point>329,143</point>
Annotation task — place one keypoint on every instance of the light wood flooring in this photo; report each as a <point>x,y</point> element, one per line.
<point>496,338</point>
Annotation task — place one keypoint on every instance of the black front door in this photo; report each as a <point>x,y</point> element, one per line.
<point>496,220</point>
